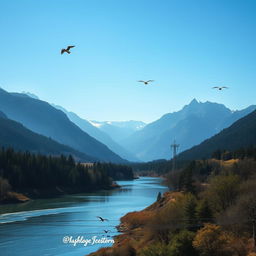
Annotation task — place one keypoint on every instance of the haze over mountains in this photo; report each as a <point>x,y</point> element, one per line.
<point>241,134</point>
<point>98,134</point>
<point>15,135</point>
<point>190,126</point>
<point>42,118</point>
<point>119,131</point>
<point>119,141</point>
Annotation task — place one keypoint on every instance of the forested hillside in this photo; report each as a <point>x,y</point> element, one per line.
<point>39,175</point>
<point>210,211</point>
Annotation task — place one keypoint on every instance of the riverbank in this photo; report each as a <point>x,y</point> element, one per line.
<point>39,226</point>
<point>33,194</point>
<point>14,197</point>
<point>211,215</point>
<point>134,227</point>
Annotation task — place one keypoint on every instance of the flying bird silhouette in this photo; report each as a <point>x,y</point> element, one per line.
<point>106,231</point>
<point>146,82</point>
<point>102,219</point>
<point>220,87</point>
<point>67,50</point>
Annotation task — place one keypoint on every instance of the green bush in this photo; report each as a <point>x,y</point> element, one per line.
<point>181,244</point>
<point>158,249</point>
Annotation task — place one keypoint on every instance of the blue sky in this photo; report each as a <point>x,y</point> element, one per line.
<point>185,46</point>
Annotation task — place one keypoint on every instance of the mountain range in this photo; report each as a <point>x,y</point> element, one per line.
<point>240,134</point>
<point>119,130</point>
<point>112,141</point>
<point>98,134</point>
<point>15,135</point>
<point>42,118</point>
<point>190,126</point>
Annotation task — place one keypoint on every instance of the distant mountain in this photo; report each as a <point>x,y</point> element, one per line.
<point>18,137</point>
<point>240,134</point>
<point>189,126</point>
<point>98,134</point>
<point>118,131</point>
<point>236,115</point>
<point>31,95</point>
<point>42,118</point>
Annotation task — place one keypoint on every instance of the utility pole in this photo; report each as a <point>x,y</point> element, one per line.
<point>174,148</point>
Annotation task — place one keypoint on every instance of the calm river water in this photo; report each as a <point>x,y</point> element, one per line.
<point>38,227</point>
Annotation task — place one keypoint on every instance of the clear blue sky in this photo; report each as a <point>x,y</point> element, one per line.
<point>185,46</point>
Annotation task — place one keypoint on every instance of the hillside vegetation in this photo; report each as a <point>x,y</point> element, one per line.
<point>40,176</point>
<point>211,213</point>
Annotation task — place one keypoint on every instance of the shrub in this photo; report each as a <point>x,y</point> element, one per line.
<point>158,249</point>
<point>211,241</point>
<point>181,244</point>
<point>223,191</point>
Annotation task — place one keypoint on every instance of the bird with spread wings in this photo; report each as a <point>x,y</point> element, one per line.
<point>220,87</point>
<point>67,50</point>
<point>146,82</point>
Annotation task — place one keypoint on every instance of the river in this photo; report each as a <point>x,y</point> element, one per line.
<point>38,227</point>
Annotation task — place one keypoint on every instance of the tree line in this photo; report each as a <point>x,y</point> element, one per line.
<point>24,171</point>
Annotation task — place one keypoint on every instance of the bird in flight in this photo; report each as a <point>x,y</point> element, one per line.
<point>146,82</point>
<point>106,231</point>
<point>67,50</point>
<point>102,219</point>
<point>220,87</point>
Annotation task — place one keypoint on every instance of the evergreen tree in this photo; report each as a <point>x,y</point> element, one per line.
<point>190,217</point>
<point>204,212</point>
<point>186,181</point>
